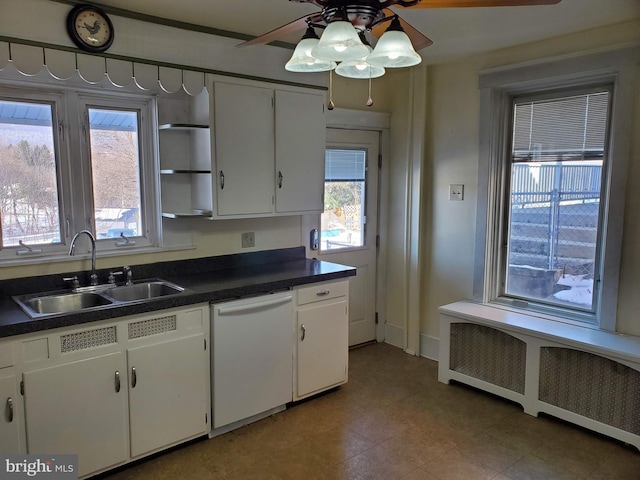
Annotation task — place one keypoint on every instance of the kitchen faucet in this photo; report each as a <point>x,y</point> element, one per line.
<point>94,276</point>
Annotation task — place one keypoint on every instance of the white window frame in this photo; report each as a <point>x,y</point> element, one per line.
<point>71,148</point>
<point>497,89</point>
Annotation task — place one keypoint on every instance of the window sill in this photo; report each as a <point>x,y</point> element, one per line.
<point>58,257</point>
<point>624,347</point>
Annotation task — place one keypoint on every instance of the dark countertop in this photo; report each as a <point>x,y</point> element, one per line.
<point>211,279</point>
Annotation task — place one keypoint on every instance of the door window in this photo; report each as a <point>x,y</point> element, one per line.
<point>343,221</point>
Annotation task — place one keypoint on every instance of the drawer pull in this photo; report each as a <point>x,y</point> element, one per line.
<point>10,409</point>
<point>324,293</point>
<point>304,332</point>
<point>134,377</point>
<point>117,381</point>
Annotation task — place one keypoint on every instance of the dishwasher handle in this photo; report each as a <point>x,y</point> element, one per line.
<point>231,309</point>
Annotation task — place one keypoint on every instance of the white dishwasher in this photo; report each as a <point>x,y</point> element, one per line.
<point>252,357</point>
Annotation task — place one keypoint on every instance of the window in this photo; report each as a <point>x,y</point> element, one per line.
<point>554,197</point>
<point>555,146</point>
<point>29,209</point>
<point>343,219</point>
<point>71,161</point>
<point>115,172</point>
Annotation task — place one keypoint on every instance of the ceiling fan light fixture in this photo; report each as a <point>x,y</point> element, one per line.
<point>303,61</point>
<point>394,49</point>
<point>359,69</point>
<point>340,42</point>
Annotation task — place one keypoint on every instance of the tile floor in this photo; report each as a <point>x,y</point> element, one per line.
<point>393,420</point>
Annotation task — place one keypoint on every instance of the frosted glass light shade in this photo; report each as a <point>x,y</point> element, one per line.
<point>394,50</point>
<point>303,61</point>
<point>339,42</point>
<point>359,68</point>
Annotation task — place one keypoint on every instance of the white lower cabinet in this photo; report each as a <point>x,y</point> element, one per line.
<point>115,391</point>
<point>167,397</point>
<point>322,352</point>
<point>10,427</point>
<point>79,408</point>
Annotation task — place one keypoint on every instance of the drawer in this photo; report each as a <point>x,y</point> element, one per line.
<point>322,291</point>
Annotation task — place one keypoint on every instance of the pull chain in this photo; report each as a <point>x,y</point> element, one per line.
<point>369,100</point>
<point>331,105</point>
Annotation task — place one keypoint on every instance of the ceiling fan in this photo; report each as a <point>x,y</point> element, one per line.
<point>344,46</point>
<point>372,15</point>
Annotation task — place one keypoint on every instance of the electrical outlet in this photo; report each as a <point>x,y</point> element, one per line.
<point>456,192</point>
<point>248,239</point>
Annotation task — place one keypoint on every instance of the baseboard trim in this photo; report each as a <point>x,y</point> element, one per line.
<point>429,347</point>
<point>394,335</point>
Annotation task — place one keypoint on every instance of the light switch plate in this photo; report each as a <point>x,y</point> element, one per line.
<point>456,192</point>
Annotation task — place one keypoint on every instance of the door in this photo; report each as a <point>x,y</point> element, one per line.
<point>167,393</point>
<point>322,346</point>
<point>79,408</point>
<point>300,141</point>
<point>349,225</point>
<point>244,149</point>
<point>9,430</point>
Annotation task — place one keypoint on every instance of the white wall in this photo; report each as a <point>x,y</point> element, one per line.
<point>452,157</point>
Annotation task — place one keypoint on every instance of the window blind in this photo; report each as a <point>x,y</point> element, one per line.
<point>567,128</point>
<point>344,165</point>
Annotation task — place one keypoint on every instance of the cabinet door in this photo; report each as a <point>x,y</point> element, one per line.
<point>244,149</point>
<point>323,346</point>
<point>9,430</point>
<point>167,393</point>
<point>300,146</point>
<point>76,408</point>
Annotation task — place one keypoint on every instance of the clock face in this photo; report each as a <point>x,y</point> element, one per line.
<point>90,28</point>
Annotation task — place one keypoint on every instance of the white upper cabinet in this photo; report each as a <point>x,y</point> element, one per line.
<point>300,144</point>
<point>268,150</point>
<point>244,149</point>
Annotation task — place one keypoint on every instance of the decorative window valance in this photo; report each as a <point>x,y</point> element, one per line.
<point>63,65</point>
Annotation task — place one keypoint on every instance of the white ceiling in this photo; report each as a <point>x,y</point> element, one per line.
<point>454,32</point>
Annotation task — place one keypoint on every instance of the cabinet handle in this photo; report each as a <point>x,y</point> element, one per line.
<point>9,409</point>
<point>221,180</point>
<point>117,381</point>
<point>279,179</point>
<point>324,293</point>
<point>304,332</point>
<point>134,377</point>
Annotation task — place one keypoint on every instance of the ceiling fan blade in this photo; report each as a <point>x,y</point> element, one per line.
<point>479,3</point>
<point>298,25</point>
<point>418,39</point>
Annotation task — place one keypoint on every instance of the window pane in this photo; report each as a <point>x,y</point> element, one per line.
<point>556,177</point>
<point>116,173</point>
<point>343,220</point>
<point>28,186</point>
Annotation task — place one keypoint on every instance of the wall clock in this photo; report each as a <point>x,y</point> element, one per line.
<point>90,28</point>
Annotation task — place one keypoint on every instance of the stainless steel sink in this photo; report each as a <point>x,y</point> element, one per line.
<point>64,302</point>
<point>94,298</point>
<point>143,291</point>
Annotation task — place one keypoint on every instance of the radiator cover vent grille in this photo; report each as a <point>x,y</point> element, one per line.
<point>489,355</point>
<point>592,386</point>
